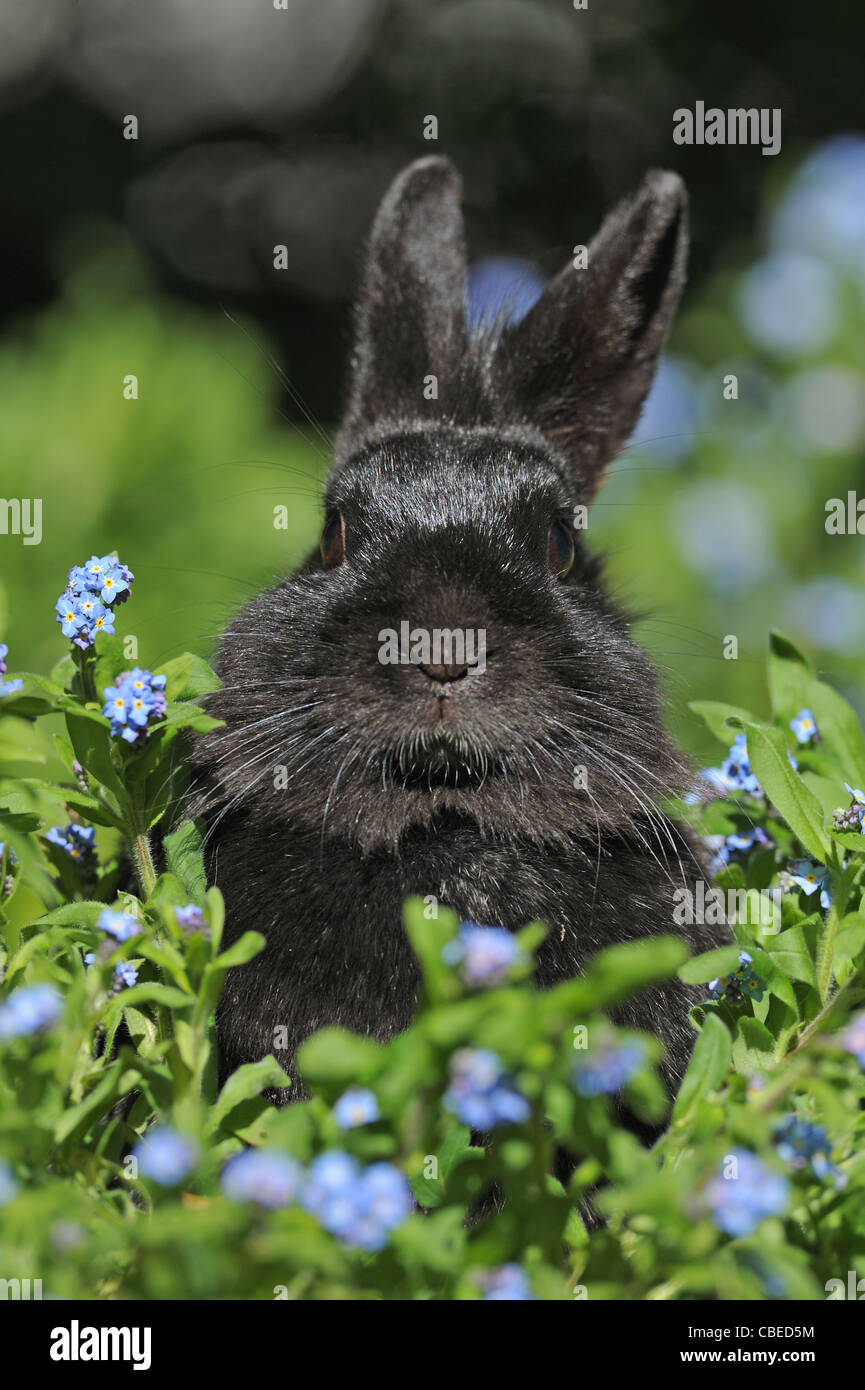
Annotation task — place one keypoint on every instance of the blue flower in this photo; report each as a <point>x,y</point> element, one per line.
<point>69,615</point>
<point>7,687</point>
<point>8,1185</point>
<point>741,983</point>
<point>800,1143</point>
<point>486,955</point>
<point>165,1155</point>
<point>811,878</point>
<point>822,211</point>
<point>356,1107</point>
<point>269,1179</point>
<point>740,844</point>
<point>508,1282</point>
<point>734,845</point>
<point>480,1095</point>
<point>77,582</point>
<point>114,583</point>
<point>789,303</point>
<point>735,773</point>
<point>608,1069</point>
<point>361,1208</point>
<point>804,726</point>
<point>857,795</point>
<point>126,973</point>
<point>135,698</point>
<point>190,918</point>
<point>120,925</point>
<point>387,1192</point>
<point>716,779</point>
<point>76,841</point>
<point>92,592</point>
<point>752,1192</point>
<point>853,1038</point>
<point>29,1009</point>
<point>331,1175</point>
<point>737,769</point>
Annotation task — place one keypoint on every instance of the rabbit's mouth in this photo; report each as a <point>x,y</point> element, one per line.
<point>443,762</point>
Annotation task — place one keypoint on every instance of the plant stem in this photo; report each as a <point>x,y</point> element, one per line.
<point>88,683</point>
<point>142,859</point>
<point>827,948</point>
<point>837,908</point>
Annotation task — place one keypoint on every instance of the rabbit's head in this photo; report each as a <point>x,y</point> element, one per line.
<point>450,650</point>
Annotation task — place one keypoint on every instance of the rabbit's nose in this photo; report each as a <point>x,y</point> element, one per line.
<point>453,671</point>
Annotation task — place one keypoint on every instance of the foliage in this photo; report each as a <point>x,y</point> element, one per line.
<point>119,1169</point>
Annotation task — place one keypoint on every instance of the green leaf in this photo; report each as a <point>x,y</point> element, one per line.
<point>789,675</point>
<point>336,1056</point>
<point>150,993</point>
<point>243,950</point>
<point>840,732</point>
<point>215,904</point>
<point>429,929</point>
<point>713,1053</point>
<point>767,754</point>
<point>188,677</point>
<point>791,953</point>
<point>621,970</point>
<point>246,1083</point>
<point>183,858</point>
<point>110,661</point>
<point>850,937</point>
<point>76,1120</point>
<point>716,715</point>
<point>753,1047</point>
<point>80,914</point>
<point>436,1240</point>
<point>187,717</point>
<point>709,965</point>
<point>91,740</point>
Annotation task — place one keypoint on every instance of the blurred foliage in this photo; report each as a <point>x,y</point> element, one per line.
<point>184,480</point>
<point>715,513</point>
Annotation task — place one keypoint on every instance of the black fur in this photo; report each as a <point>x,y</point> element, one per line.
<point>390,787</point>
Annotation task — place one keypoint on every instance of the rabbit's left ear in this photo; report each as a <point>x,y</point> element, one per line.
<point>411,314</point>
<point>579,365</point>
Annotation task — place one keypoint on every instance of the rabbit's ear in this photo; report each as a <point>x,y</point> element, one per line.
<point>411,313</point>
<point>579,365</point>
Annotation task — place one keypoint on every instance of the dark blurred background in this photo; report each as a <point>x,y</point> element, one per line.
<point>260,126</point>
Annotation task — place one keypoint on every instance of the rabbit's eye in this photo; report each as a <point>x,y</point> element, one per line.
<point>560,552</point>
<point>333,541</point>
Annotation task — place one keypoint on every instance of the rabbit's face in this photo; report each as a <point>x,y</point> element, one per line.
<point>536,714</point>
<point>451,651</point>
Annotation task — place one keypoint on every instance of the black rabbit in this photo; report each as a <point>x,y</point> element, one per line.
<point>521,786</point>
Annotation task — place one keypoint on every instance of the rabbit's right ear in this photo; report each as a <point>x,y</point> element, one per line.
<point>411,314</point>
<point>579,365</point>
